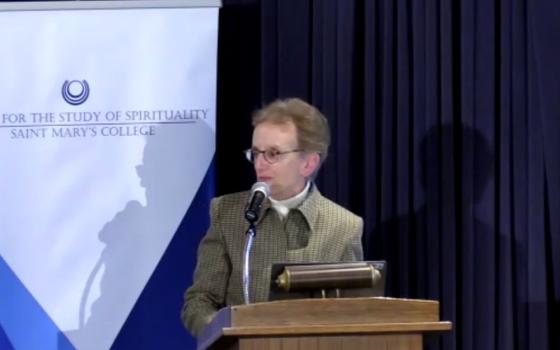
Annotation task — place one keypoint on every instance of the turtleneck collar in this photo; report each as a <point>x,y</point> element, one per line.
<point>283,206</point>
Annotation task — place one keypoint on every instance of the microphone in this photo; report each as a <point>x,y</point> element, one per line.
<point>259,192</point>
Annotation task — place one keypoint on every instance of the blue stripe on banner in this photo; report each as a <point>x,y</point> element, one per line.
<point>25,323</point>
<point>154,322</point>
<point>4,341</point>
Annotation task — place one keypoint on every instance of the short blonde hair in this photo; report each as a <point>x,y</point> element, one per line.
<point>312,127</point>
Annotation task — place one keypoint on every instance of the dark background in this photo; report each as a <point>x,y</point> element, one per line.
<point>445,118</point>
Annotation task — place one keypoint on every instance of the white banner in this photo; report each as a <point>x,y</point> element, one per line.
<point>107,124</point>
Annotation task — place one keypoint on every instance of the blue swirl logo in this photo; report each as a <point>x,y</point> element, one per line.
<point>75,92</point>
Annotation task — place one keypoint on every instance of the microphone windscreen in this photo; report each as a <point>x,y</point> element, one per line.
<point>262,187</point>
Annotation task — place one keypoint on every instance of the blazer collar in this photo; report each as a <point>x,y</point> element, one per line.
<point>311,205</point>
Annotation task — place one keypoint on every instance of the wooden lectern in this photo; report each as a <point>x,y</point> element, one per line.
<point>312,324</point>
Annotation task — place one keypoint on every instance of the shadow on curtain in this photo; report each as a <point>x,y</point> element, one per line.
<point>445,118</point>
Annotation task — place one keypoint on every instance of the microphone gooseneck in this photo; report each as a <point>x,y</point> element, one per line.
<point>259,193</point>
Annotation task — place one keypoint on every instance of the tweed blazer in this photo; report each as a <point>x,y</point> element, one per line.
<point>317,231</point>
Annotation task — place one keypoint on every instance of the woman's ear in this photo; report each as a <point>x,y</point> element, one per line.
<point>312,161</point>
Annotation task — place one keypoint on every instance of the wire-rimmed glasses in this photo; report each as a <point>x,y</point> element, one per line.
<point>270,155</point>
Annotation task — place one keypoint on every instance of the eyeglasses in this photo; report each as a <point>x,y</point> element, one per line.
<point>270,155</point>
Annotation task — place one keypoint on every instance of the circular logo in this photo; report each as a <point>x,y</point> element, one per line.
<point>75,92</point>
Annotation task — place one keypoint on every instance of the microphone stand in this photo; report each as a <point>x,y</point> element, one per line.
<point>246,258</point>
<point>259,192</point>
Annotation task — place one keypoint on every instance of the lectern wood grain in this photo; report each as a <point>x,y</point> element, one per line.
<point>405,342</point>
<point>347,311</point>
<point>309,324</point>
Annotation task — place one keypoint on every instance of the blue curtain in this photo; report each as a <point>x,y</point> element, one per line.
<point>445,118</point>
